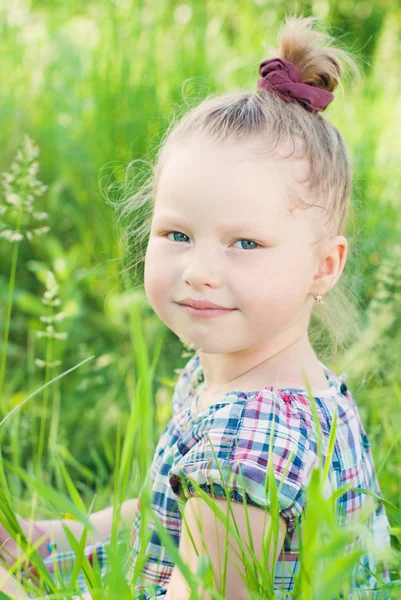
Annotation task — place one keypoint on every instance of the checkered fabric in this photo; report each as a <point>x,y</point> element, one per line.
<point>231,439</point>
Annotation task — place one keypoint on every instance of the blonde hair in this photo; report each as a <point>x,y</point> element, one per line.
<point>242,115</point>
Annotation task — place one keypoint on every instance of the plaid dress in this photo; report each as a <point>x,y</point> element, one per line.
<point>237,432</point>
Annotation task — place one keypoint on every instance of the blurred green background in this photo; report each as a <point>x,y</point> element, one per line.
<point>94,85</point>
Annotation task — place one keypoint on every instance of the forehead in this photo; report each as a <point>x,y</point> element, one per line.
<point>229,182</point>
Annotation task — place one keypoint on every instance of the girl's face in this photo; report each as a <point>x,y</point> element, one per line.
<point>222,231</point>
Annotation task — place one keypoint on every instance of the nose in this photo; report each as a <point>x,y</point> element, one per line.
<point>202,268</point>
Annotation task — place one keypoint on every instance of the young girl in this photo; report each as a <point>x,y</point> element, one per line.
<point>249,206</point>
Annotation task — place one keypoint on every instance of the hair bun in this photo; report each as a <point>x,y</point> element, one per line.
<point>311,52</point>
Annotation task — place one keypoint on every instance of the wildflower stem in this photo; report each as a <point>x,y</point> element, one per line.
<point>11,286</point>
<point>46,392</point>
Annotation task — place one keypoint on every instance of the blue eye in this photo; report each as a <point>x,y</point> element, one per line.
<point>247,241</point>
<point>174,232</point>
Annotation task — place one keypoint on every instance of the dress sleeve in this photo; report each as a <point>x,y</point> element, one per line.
<point>64,561</point>
<point>184,384</point>
<point>239,433</point>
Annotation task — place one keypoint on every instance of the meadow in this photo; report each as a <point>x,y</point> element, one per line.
<point>87,369</point>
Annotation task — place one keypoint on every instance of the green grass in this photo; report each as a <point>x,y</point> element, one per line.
<point>93,85</point>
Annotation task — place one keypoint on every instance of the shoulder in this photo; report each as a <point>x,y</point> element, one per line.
<point>272,427</point>
<point>240,426</point>
<point>273,410</point>
<point>230,447</point>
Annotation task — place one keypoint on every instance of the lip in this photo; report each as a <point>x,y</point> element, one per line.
<point>206,313</point>
<point>202,304</point>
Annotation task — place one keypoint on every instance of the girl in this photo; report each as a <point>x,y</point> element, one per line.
<point>249,205</point>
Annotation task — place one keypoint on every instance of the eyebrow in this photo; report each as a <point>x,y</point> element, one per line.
<point>174,219</point>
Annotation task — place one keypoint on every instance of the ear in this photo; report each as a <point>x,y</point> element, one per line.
<point>332,259</point>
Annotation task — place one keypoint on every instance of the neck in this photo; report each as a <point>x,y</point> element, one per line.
<point>252,368</point>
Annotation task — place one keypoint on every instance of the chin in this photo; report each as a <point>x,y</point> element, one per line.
<point>206,346</point>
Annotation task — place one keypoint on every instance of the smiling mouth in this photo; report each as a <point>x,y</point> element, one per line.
<point>205,312</point>
<point>207,307</point>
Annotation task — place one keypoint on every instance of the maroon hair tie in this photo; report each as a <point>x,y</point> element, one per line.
<point>284,78</point>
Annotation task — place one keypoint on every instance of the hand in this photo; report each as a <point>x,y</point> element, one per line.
<point>10,586</point>
<point>11,551</point>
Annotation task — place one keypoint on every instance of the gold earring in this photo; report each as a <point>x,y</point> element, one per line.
<point>319,298</point>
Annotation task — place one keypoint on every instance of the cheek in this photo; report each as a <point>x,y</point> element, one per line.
<point>159,277</point>
<point>280,285</point>
<point>154,276</point>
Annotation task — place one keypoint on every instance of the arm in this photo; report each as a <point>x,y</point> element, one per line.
<point>211,541</point>
<point>101,519</point>
<point>64,557</point>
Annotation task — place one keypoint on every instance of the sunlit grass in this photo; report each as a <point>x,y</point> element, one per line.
<point>96,89</point>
